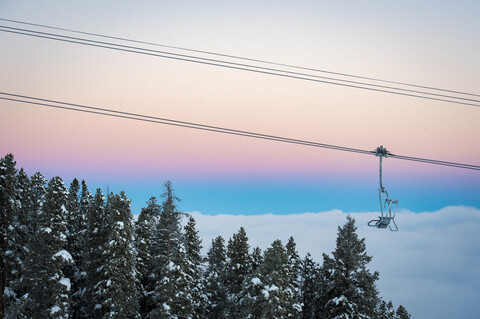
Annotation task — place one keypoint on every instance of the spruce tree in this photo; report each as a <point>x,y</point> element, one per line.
<point>253,298</point>
<point>76,227</point>
<point>173,281</point>
<point>385,310</point>
<point>354,293</point>
<point>173,296</point>
<point>309,287</point>
<point>325,286</point>
<point>296,269</point>
<point>48,286</point>
<point>257,258</point>
<point>193,246</point>
<point>276,272</point>
<point>168,233</point>
<point>402,313</point>
<point>98,232</point>
<point>118,276</point>
<point>32,201</point>
<point>79,295</point>
<point>9,207</point>
<point>144,239</point>
<point>215,286</point>
<point>238,267</point>
<point>19,237</point>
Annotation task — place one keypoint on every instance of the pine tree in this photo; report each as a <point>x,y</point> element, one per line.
<point>173,296</point>
<point>170,265</point>
<point>118,277</point>
<point>276,273</point>
<point>193,246</point>
<point>385,310</point>
<point>144,237</point>
<point>325,286</point>
<point>9,207</point>
<point>253,298</point>
<point>79,295</point>
<point>19,237</point>
<point>216,289</point>
<point>354,293</point>
<point>402,313</point>
<point>49,287</point>
<point>169,231</point>
<point>296,269</point>
<point>257,258</point>
<point>32,201</point>
<point>309,287</point>
<point>390,310</point>
<point>98,232</point>
<point>76,227</point>
<point>238,267</point>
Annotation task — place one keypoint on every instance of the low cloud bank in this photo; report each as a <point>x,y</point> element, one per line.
<point>431,266</point>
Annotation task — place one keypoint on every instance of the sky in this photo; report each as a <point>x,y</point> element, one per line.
<point>432,43</point>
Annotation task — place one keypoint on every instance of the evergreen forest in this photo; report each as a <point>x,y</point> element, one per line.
<point>68,252</point>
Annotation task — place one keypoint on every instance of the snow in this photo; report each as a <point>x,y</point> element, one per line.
<point>267,290</point>
<point>66,282</point>
<point>120,224</point>
<point>64,254</point>
<point>47,230</point>
<point>171,266</point>
<point>9,292</point>
<point>340,299</point>
<point>256,281</point>
<point>272,288</point>
<point>265,293</point>
<point>166,307</point>
<point>54,310</point>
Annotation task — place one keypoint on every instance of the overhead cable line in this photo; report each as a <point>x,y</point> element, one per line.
<point>239,57</point>
<point>244,67</point>
<point>159,120</point>
<point>216,129</point>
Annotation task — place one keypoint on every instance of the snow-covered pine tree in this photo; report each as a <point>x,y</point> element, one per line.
<point>168,233</point>
<point>402,313</point>
<point>193,246</point>
<point>170,266</point>
<point>30,265</point>
<point>238,267</point>
<point>390,310</point>
<point>144,237</point>
<point>19,237</point>
<point>296,272</point>
<point>276,273</point>
<point>354,293</point>
<point>97,236</point>
<point>309,287</point>
<point>75,228</point>
<point>79,295</point>
<point>118,276</point>
<point>257,258</point>
<point>385,310</point>
<point>215,287</point>
<point>254,297</point>
<point>173,296</point>
<point>49,288</point>
<point>8,212</point>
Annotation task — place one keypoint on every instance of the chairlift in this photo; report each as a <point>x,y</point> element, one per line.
<point>387,217</point>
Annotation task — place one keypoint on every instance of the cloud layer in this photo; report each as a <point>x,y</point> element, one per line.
<point>431,266</point>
